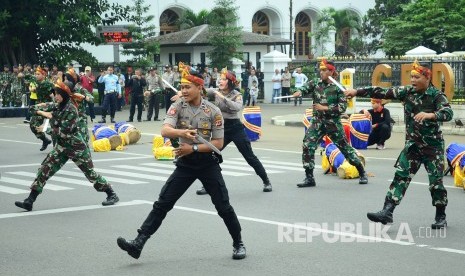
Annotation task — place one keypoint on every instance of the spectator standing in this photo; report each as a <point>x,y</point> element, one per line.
<point>276,79</point>
<point>87,82</point>
<point>286,84</point>
<point>300,80</point>
<point>137,83</point>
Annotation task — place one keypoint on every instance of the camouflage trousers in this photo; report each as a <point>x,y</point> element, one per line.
<point>335,131</point>
<point>408,164</point>
<point>83,129</point>
<point>37,121</point>
<point>58,157</point>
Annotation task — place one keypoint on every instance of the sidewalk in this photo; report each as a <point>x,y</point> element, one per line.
<point>295,120</point>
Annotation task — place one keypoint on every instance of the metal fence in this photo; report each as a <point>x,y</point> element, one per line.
<point>365,68</point>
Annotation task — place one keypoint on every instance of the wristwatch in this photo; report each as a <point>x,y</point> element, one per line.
<point>195,148</point>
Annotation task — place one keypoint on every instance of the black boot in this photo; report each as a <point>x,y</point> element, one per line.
<point>239,251</point>
<point>103,121</point>
<point>112,120</point>
<point>112,198</point>
<point>201,191</point>
<point>363,175</point>
<point>267,186</point>
<point>27,203</point>
<point>45,143</point>
<point>384,216</point>
<point>133,247</point>
<point>440,219</point>
<point>309,180</point>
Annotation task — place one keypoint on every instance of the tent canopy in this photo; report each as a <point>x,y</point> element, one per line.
<point>420,51</point>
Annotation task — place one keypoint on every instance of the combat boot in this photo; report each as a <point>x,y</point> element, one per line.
<point>112,198</point>
<point>440,219</point>
<point>28,202</point>
<point>267,186</point>
<point>363,175</point>
<point>239,251</point>
<point>384,216</point>
<point>112,120</point>
<point>45,143</point>
<point>201,191</point>
<point>103,121</point>
<point>133,247</point>
<point>309,180</point>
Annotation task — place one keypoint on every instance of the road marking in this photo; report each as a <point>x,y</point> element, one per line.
<point>427,184</point>
<point>230,173</point>
<point>22,142</point>
<point>56,178</point>
<point>300,169</point>
<point>93,160</point>
<point>12,191</point>
<point>142,169</point>
<point>8,126</point>
<point>130,174</point>
<point>109,178</point>
<point>73,209</point>
<point>28,183</point>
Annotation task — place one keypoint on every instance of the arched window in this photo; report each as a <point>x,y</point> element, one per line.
<point>302,41</point>
<point>260,23</point>
<point>168,22</point>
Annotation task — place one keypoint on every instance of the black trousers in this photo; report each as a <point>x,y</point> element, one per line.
<point>168,95</point>
<point>379,135</point>
<point>285,92</point>
<point>109,103</point>
<point>136,99</point>
<point>178,183</point>
<point>234,132</point>
<point>154,103</point>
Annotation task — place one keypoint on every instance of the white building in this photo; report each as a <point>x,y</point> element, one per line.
<point>269,17</point>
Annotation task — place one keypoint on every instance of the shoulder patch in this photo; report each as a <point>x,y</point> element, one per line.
<point>172,111</point>
<point>218,120</point>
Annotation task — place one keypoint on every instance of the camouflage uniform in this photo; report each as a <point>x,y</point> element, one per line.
<point>70,145</point>
<point>424,141</point>
<point>82,116</point>
<point>18,89</point>
<point>326,122</point>
<point>5,88</point>
<point>43,91</point>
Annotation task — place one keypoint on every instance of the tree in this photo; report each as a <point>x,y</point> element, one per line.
<point>142,47</point>
<point>224,35</point>
<point>52,31</point>
<point>190,19</point>
<point>325,23</point>
<point>436,24</point>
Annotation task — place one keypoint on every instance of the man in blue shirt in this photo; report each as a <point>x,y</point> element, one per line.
<point>112,92</point>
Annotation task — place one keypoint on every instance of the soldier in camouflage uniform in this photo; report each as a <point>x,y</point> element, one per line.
<point>70,145</point>
<point>44,92</point>
<point>5,86</point>
<point>424,108</point>
<point>17,87</point>
<point>329,103</point>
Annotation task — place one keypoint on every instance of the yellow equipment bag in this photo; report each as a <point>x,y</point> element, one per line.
<point>459,177</point>
<point>101,145</point>
<point>163,153</point>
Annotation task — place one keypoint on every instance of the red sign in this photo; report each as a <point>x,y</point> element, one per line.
<point>116,37</point>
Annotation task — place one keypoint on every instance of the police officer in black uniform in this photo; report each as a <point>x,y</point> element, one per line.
<point>230,103</point>
<point>185,119</point>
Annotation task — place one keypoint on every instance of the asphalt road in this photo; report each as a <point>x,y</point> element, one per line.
<point>312,231</point>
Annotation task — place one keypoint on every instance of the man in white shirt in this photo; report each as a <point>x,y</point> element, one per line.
<point>276,79</point>
<point>300,80</point>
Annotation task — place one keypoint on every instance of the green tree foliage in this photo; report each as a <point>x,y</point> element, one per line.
<point>142,48</point>
<point>190,19</point>
<point>52,30</point>
<point>343,22</point>
<point>224,35</point>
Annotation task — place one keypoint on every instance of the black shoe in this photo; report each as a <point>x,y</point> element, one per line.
<point>156,119</point>
<point>239,252</point>
<point>45,144</point>
<point>309,180</point>
<point>148,120</point>
<point>26,204</point>
<point>440,218</point>
<point>139,120</point>
<point>103,121</point>
<point>112,121</point>
<point>26,121</point>
<point>201,191</point>
<point>111,200</point>
<point>130,121</point>
<point>363,178</point>
<point>267,187</point>
<point>134,247</point>
<point>384,216</point>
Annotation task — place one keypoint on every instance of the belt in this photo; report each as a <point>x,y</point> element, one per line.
<point>109,92</point>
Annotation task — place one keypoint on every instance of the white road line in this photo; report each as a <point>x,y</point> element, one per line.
<point>299,169</point>
<point>13,191</point>
<point>158,164</point>
<point>427,184</point>
<point>93,160</point>
<point>136,175</point>
<point>142,169</point>
<point>73,209</point>
<point>281,163</point>
<point>8,126</point>
<point>65,180</point>
<point>22,142</point>
<point>28,183</point>
<point>109,178</point>
<point>450,250</point>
